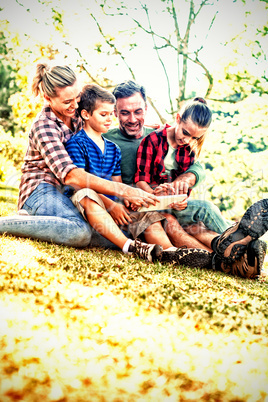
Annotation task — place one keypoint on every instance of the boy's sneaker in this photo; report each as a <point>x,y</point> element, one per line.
<point>232,244</point>
<point>22,212</point>
<point>247,266</point>
<point>191,257</point>
<point>150,252</point>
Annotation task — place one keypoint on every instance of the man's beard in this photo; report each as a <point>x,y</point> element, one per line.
<point>137,133</point>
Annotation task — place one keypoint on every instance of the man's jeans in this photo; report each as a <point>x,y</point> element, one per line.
<point>204,211</point>
<point>54,218</point>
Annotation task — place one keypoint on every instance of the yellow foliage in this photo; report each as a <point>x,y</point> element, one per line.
<point>25,108</point>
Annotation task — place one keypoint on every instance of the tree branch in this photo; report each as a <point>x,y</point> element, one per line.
<point>112,45</point>
<point>168,42</point>
<point>159,57</point>
<point>207,74</point>
<point>161,118</point>
<point>175,19</point>
<point>202,4</point>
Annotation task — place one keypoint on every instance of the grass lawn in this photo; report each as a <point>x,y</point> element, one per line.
<point>96,325</point>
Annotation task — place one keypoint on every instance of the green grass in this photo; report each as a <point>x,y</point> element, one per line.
<point>8,194</point>
<point>96,325</point>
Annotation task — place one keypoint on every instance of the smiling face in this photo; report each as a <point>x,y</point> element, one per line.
<point>101,119</point>
<point>186,132</point>
<point>65,104</point>
<point>131,113</point>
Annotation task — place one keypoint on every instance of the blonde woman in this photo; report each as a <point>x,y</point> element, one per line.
<point>45,212</point>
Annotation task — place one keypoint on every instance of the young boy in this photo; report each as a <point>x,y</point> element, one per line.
<point>97,155</point>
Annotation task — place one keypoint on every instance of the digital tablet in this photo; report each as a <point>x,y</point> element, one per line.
<point>165,201</point>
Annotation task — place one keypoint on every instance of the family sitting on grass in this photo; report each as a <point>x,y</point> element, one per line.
<point>83,183</point>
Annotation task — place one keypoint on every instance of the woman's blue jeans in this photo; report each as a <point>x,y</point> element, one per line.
<point>53,218</point>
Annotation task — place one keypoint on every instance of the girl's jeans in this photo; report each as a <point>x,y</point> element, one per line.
<point>53,218</point>
<point>203,211</point>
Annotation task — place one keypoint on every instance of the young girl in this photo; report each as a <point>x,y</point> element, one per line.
<point>169,151</point>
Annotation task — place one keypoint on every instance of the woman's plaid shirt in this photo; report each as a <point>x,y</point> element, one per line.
<point>46,159</point>
<point>150,159</point>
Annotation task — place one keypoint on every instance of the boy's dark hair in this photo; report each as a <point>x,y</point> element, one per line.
<point>129,88</point>
<point>198,111</point>
<point>91,95</point>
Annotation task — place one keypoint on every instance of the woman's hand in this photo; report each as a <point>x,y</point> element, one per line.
<point>155,126</point>
<point>120,214</point>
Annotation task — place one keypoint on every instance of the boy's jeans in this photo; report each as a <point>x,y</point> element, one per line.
<point>54,218</point>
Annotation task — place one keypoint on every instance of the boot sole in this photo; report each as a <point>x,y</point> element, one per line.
<point>259,248</point>
<point>253,225</point>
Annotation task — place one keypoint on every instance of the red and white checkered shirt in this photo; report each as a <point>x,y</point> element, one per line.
<point>150,159</point>
<point>46,159</point>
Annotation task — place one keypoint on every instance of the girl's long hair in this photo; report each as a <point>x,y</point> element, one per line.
<point>199,112</point>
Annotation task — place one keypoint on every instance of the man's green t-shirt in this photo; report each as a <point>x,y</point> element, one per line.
<point>129,147</point>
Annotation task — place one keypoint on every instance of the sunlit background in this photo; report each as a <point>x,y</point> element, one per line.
<point>234,27</point>
<point>96,325</point>
<point>111,41</point>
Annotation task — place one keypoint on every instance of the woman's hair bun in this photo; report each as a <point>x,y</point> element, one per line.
<point>201,100</point>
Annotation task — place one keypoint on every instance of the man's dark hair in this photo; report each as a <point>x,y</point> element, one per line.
<point>129,88</point>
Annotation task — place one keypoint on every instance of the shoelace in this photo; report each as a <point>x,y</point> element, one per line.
<point>142,248</point>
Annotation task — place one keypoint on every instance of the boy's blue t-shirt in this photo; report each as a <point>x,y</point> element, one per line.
<point>86,154</point>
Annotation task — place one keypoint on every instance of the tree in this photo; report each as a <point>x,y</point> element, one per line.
<point>178,32</point>
<point>250,44</point>
<point>177,40</point>
<point>8,85</point>
<point>18,56</point>
<point>174,36</point>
